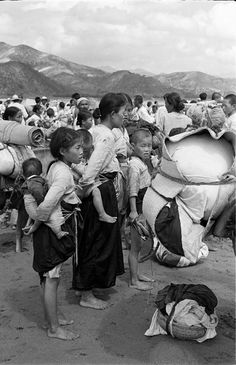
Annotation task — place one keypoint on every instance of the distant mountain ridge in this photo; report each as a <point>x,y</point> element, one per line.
<point>26,70</point>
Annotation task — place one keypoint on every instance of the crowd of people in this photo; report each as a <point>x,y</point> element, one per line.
<point>104,160</point>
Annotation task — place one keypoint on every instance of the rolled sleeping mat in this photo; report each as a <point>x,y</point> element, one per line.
<point>18,134</point>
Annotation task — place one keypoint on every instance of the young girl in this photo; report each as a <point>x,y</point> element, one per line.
<point>99,252</point>
<point>49,251</point>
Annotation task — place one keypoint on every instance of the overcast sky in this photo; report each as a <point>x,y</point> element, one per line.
<point>159,36</point>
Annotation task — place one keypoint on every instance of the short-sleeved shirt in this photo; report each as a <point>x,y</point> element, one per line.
<point>138,176</point>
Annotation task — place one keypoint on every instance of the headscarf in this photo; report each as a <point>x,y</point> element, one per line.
<point>81,99</point>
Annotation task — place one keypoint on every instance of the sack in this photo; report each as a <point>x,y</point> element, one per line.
<point>9,163</point>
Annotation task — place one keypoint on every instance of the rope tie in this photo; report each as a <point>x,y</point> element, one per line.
<point>225,180</point>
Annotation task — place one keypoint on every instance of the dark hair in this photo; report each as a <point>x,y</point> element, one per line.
<point>149,103</point>
<point>36,108</point>
<point>175,131</point>
<point>96,113</point>
<point>139,134</point>
<point>175,100</point>
<point>32,166</point>
<point>192,101</point>
<point>75,96</point>
<point>62,104</point>
<point>10,112</point>
<point>127,98</point>
<point>215,95</point>
<point>50,112</point>
<point>139,99</point>
<point>37,99</point>
<point>63,137</point>
<point>203,96</point>
<point>109,103</point>
<point>83,116</point>
<point>230,97</point>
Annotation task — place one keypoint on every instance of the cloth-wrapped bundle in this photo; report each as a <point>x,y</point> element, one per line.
<point>11,158</point>
<point>18,134</point>
<point>189,193</point>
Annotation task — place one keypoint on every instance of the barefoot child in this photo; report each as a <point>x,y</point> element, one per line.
<point>35,188</point>
<point>49,251</point>
<point>139,180</point>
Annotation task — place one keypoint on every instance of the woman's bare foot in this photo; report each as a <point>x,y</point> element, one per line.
<point>140,285</point>
<point>146,279</point>
<point>62,334</point>
<point>107,218</point>
<point>93,302</point>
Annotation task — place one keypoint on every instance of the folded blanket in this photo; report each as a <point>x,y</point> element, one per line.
<point>18,134</point>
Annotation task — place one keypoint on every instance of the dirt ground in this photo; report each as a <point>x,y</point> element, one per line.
<point>115,335</point>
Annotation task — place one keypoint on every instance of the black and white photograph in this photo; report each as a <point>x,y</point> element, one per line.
<point>117,182</point>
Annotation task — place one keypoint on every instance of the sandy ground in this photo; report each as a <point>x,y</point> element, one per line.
<point>116,335</point>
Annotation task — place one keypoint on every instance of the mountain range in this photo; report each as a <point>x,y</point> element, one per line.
<point>30,72</point>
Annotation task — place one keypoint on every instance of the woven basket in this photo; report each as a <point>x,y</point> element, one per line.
<point>180,331</point>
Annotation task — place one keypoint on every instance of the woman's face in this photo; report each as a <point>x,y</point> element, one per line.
<point>84,105</point>
<point>18,117</point>
<point>118,118</point>
<point>73,154</point>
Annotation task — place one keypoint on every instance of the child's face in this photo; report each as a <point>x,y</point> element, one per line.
<point>87,124</point>
<point>18,117</point>
<point>143,148</point>
<point>73,154</point>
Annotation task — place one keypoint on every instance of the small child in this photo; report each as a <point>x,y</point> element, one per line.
<point>84,120</point>
<point>35,189</point>
<point>80,169</point>
<point>139,179</point>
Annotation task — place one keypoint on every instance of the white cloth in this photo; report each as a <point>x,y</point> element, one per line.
<point>175,120</point>
<point>21,107</point>
<point>121,141</point>
<point>103,158</point>
<point>142,113</point>
<point>61,186</point>
<point>188,313</point>
<point>160,117</point>
<point>34,118</point>
<point>231,122</point>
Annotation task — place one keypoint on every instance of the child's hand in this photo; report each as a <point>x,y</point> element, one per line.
<point>133,215</point>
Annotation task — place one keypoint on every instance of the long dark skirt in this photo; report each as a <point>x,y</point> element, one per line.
<point>100,257</point>
<point>49,251</point>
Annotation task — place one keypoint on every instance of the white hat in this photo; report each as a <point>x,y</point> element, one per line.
<point>44,97</point>
<point>15,97</point>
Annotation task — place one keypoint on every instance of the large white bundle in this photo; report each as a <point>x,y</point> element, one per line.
<point>202,158</point>
<point>9,163</point>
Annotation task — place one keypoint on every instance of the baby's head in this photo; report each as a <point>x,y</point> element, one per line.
<point>87,142</point>
<point>142,143</point>
<point>32,166</point>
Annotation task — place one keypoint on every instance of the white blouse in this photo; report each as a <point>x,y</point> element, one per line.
<point>103,158</point>
<point>61,187</point>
